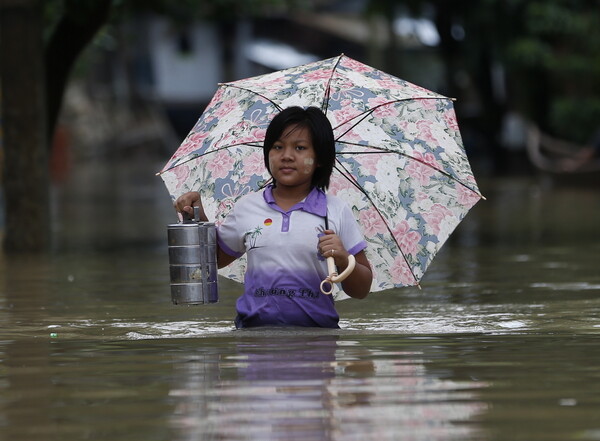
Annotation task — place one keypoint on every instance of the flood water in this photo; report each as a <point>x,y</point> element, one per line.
<point>501,343</point>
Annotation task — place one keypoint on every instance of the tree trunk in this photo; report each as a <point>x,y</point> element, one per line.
<point>25,168</point>
<point>449,47</point>
<point>76,29</point>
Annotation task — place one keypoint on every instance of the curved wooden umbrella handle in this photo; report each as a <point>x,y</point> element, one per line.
<point>333,276</point>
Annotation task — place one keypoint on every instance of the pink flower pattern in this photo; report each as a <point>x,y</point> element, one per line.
<point>344,115</point>
<point>254,164</point>
<point>225,108</point>
<point>184,149</point>
<point>338,184</point>
<point>429,104</point>
<point>407,238</point>
<point>418,169</point>
<point>181,174</point>
<point>221,164</point>
<point>371,222</point>
<point>317,75</point>
<point>436,215</point>
<point>424,127</point>
<point>450,119</point>
<point>465,196</point>
<point>370,162</point>
<point>401,273</point>
<point>192,143</point>
<point>254,135</point>
<point>274,84</point>
<point>356,66</point>
<point>383,108</point>
<point>198,137</point>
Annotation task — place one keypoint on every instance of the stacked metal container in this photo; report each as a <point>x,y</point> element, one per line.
<point>193,262</point>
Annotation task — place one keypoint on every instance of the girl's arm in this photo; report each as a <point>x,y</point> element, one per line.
<point>185,203</point>
<point>358,283</point>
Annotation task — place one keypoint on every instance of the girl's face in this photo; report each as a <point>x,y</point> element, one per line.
<point>292,159</point>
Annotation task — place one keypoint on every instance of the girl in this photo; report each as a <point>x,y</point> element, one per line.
<point>287,229</point>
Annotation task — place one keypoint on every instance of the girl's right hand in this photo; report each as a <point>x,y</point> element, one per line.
<point>187,201</point>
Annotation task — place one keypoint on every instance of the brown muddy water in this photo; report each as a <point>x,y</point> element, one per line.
<point>501,343</point>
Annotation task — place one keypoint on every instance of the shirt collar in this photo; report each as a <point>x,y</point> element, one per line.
<point>315,203</point>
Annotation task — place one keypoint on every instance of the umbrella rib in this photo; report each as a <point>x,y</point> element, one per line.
<point>383,150</point>
<point>368,112</point>
<point>325,105</point>
<point>364,116</point>
<point>277,106</point>
<point>208,153</point>
<point>373,147</point>
<point>345,173</point>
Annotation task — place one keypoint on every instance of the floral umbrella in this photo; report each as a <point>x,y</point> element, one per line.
<point>400,162</point>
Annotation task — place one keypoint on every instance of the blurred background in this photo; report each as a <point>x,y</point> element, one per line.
<point>89,87</point>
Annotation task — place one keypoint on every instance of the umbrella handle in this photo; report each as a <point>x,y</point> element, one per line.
<point>333,275</point>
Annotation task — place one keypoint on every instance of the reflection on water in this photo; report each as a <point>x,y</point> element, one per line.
<point>318,387</point>
<point>501,343</point>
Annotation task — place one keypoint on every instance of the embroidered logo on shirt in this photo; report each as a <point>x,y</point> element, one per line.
<point>268,222</point>
<point>252,236</point>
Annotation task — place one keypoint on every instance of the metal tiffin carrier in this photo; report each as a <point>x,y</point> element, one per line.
<point>193,261</point>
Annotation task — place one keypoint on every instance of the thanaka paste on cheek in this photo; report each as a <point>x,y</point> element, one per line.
<point>308,162</point>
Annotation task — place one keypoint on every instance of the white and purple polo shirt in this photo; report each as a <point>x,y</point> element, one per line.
<point>285,270</point>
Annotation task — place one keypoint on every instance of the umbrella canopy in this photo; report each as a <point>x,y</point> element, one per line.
<point>400,161</point>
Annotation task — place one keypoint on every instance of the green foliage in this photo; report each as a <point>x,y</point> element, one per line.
<point>560,40</point>
<point>530,52</point>
<point>550,52</point>
<point>185,11</point>
<point>577,119</point>
<point>52,13</point>
<point>556,20</point>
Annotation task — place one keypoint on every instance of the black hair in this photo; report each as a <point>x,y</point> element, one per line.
<point>322,139</point>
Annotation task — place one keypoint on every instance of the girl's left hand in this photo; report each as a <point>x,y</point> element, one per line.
<point>330,245</point>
